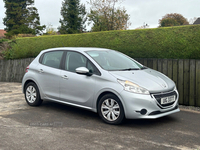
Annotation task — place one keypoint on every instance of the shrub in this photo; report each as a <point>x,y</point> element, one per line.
<point>181,42</point>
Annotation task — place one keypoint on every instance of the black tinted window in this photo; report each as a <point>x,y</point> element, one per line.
<point>52,59</point>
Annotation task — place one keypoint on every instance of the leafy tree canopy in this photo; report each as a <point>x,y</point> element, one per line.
<point>105,16</point>
<point>173,19</point>
<point>21,18</point>
<point>50,30</point>
<point>73,17</point>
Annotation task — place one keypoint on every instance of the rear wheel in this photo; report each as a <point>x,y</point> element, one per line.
<point>32,94</point>
<point>110,109</point>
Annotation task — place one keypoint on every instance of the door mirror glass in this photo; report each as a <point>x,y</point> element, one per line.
<point>83,70</point>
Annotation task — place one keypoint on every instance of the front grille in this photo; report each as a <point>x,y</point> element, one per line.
<point>162,95</point>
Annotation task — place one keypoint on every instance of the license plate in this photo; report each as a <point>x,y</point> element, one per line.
<point>167,100</point>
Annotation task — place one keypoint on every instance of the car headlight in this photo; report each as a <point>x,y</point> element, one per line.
<point>132,87</point>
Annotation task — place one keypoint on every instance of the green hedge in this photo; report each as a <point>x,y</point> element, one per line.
<point>181,42</point>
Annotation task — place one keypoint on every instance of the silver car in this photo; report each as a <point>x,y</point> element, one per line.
<point>101,80</point>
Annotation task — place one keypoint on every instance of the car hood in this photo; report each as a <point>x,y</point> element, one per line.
<point>149,79</point>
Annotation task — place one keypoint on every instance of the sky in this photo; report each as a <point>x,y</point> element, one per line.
<point>140,11</point>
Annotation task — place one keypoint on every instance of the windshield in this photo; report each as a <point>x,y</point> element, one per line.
<point>114,61</point>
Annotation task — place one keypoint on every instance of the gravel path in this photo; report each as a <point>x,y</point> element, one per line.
<point>190,108</point>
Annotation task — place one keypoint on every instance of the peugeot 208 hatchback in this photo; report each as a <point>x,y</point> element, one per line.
<point>101,80</point>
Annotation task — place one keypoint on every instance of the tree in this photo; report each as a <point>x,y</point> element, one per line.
<point>21,18</point>
<point>192,20</point>
<point>105,16</point>
<point>50,30</point>
<point>73,17</point>
<point>173,19</point>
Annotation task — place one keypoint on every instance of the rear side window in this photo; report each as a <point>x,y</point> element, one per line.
<point>52,59</point>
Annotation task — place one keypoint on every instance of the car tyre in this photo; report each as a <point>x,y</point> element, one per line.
<point>32,94</point>
<point>110,109</point>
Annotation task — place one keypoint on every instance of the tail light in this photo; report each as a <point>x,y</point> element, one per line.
<point>27,68</point>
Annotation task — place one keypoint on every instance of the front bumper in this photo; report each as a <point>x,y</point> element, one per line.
<point>146,106</point>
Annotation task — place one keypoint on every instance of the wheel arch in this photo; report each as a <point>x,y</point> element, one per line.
<point>110,92</point>
<point>25,83</point>
<point>28,81</point>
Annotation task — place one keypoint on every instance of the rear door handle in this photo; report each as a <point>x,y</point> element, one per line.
<point>65,77</point>
<point>41,71</point>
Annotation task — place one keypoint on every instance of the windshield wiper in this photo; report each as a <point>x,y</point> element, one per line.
<point>129,69</point>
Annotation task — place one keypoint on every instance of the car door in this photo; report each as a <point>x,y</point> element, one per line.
<point>49,73</point>
<point>76,88</point>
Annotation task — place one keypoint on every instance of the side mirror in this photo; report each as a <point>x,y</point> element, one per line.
<point>84,71</point>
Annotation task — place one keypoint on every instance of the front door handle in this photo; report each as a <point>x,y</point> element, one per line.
<point>41,71</point>
<point>65,77</point>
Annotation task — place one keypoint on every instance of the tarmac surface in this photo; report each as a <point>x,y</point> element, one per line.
<point>57,126</point>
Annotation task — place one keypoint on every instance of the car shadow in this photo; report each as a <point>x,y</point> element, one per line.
<point>68,109</point>
<point>82,114</point>
<point>150,122</point>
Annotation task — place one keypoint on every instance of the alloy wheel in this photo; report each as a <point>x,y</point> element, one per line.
<point>110,109</point>
<point>31,94</point>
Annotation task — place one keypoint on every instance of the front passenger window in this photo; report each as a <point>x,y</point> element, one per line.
<point>74,60</point>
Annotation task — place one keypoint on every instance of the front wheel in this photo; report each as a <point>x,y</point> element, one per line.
<point>110,109</point>
<point>32,94</point>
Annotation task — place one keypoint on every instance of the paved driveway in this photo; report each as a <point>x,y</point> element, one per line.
<point>57,126</point>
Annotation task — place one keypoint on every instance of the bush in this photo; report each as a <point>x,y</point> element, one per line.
<point>3,40</point>
<point>4,46</point>
<point>181,42</point>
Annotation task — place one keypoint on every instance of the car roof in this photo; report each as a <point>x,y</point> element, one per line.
<point>80,49</point>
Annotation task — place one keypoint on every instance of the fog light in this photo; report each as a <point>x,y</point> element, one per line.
<point>143,111</point>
